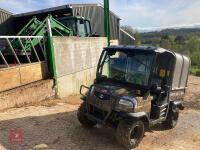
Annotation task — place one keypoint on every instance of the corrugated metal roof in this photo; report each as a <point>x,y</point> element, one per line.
<point>5,11</point>
<point>95,4</point>
<point>62,7</point>
<point>4,21</point>
<point>42,11</point>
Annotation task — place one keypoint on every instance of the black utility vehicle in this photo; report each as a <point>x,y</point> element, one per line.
<point>135,88</point>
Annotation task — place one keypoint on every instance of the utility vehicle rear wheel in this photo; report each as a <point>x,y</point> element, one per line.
<point>83,118</point>
<point>129,134</point>
<point>172,118</point>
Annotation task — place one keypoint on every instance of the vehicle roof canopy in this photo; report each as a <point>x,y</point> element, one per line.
<point>181,66</point>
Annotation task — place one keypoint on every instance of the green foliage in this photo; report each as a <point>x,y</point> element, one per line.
<point>137,38</point>
<point>180,39</point>
<point>184,41</point>
<point>193,44</point>
<point>195,69</point>
<point>195,57</point>
<point>167,41</point>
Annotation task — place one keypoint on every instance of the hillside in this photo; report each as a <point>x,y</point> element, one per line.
<point>175,32</point>
<point>184,41</point>
<point>155,36</point>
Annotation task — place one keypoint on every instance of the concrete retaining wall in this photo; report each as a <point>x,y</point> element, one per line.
<point>33,92</point>
<point>76,62</point>
<point>114,42</point>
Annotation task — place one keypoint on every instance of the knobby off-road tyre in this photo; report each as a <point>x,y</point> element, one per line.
<point>129,134</point>
<point>82,118</point>
<point>172,118</point>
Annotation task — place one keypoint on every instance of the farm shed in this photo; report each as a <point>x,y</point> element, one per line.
<point>94,12</point>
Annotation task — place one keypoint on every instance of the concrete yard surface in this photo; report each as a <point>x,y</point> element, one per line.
<point>55,126</point>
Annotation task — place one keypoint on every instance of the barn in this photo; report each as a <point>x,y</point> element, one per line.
<point>95,12</point>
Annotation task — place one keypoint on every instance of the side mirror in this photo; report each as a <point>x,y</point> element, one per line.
<point>155,88</point>
<point>166,88</point>
<point>84,90</point>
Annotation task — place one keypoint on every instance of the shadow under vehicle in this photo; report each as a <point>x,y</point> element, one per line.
<point>135,88</point>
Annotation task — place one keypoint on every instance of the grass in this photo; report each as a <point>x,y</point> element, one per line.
<point>195,69</point>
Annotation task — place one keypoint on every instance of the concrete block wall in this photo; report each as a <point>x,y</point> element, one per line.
<point>76,62</point>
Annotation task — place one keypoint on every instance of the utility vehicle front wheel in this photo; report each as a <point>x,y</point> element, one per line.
<point>82,118</point>
<point>129,134</point>
<point>172,118</point>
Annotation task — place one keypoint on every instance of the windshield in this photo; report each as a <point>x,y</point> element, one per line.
<point>87,23</point>
<point>70,23</point>
<point>127,67</point>
<point>81,28</point>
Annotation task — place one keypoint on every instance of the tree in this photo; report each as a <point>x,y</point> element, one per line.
<point>195,57</point>
<point>193,44</point>
<point>133,33</point>
<point>167,41</point>
<point>180,39</point>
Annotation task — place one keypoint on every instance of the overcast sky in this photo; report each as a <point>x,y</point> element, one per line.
<point>140,14</point>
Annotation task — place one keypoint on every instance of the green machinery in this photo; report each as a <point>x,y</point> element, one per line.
<point>81,26</point>
<point>65,26</point>
<point>38,28</point>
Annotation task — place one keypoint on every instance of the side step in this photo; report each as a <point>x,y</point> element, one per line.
<point>158,112</point>
<point>161,114</point>
<point>154,122</point>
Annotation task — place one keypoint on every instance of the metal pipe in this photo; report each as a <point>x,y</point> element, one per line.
<point>34,50</point>
<point>10,45</point>
<point>52,63</point>
<point>127,34</point>
<point>49,27</point>
<point>107,21</point>
<point>4,59</point>
<point>22,37</point>
<point>24,50</point>
<point>52,56</point>
<point>42,49</point>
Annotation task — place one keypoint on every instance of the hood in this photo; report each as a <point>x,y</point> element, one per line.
<point>114,89</point>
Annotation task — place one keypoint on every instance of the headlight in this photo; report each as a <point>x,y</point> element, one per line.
<point>128,102</point>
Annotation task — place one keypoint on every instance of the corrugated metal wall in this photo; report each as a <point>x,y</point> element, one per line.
<point>5,22</point>
<point>96,15</point>
<point>4,15</point>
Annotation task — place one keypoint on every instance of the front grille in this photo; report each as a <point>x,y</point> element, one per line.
<point>102,96</point>
<point>100,114</point>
